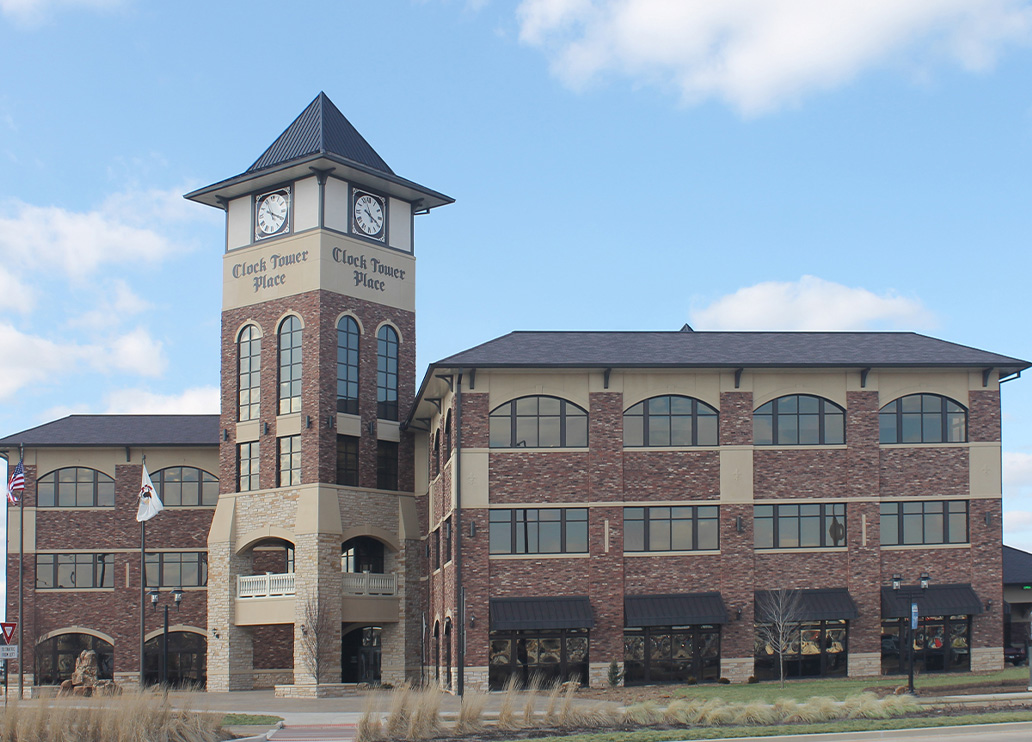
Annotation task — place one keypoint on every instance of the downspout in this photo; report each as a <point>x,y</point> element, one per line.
<point>459,592</point>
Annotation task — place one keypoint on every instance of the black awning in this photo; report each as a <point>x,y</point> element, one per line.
<point>684,609</point>
<point>934,600</point>
<point>827,604</point>
<point>514,614</point>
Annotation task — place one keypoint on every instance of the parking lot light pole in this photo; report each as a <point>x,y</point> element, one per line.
<point>177,597</point>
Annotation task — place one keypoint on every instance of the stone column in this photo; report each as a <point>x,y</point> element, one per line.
<point>230,656</point>
<point>317,624</point>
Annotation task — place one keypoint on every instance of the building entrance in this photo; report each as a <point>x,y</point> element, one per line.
<point>360,656</point>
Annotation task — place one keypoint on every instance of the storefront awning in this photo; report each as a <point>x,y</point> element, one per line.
<point>516,614</point>
<point>934,600</point>
<point>827,604</point>
<point>684,609</point>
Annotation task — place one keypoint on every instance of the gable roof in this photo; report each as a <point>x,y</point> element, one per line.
<point>120,430</point>
<point>320,129</point>
<point>1017,566</point>
<point>727,350</point>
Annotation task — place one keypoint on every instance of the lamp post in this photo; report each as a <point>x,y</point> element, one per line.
<point>177,597</point>
<point>897,584</point>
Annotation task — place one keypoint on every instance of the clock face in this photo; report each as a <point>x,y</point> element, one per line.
<point>369,214</point>
<point>271,213</point>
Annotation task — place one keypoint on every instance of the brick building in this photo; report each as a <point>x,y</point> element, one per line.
<point>544,502</point>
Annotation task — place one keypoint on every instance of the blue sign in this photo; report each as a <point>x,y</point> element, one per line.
<point>913,616</point>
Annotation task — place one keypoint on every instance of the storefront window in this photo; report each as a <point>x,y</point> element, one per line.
<point>941,644</point>
<point>561,654</point>
<point>671,654</point>
<point>816,648</point>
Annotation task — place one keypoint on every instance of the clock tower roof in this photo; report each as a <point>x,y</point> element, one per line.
<point>319,140</point>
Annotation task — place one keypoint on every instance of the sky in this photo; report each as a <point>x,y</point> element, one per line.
<point>616,164</point>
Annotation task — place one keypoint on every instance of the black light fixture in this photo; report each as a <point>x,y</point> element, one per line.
<point>988,606</point>
<point>265,428</point>
<point>215,633</point>
<point>304,630</point>
<point>308,421</point>
<point>739,525</point>
<point>472,619</point>
<point>897,581</point>
<point>988,519</point>
<point>925,580</point>
<point>738,613</point>
<point>472,529</point>
<point>225,434</point>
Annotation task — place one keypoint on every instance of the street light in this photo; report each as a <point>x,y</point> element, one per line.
<point>897,584</point>
<point>177,597</point>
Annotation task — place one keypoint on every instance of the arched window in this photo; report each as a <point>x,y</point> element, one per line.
<point>670,421</point>
<point>362,554</point>
<point>387,373</point>
<point>185,486</point>
<point>347,366</point>
<point>290,366</point>
<point>249,353</point>
<point>539,422</point>
<point>922,418</point>
<point>799,420</point>
<point>56,656</point>
<point>437,453</point>
<point>447,436</point>
<point>187,659</point>
<point>75,487</point>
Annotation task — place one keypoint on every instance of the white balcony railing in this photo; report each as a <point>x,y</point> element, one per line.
<point>368,583</point>
<point>268,585</point>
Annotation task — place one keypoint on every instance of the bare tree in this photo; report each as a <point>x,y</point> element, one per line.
<point>316,635</point>
<point>778,614</point>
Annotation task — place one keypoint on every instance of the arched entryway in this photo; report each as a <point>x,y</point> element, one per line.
<point>447,653</point>
<point>360,655</point>
<point>187,659</point>
<point>56,656</point>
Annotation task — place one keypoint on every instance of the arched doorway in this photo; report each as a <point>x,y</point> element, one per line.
<point>437,652</point>
<point>56,656</point>
<point>187,660</point>
<point>360,655</point>
<point>447,653</point>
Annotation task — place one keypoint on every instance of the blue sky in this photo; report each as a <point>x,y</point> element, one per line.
<point>616,165</point>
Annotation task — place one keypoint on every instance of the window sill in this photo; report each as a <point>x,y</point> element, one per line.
<point>671,448</point>
<point>75,589</point>
<point>696,552</point>
<point>804,550</point>
<point>801,447</point>
<point>924,445</point>
<point>509,557</point>
<point>550,449</point>
<point>911,547</point>
<point>75,507</point>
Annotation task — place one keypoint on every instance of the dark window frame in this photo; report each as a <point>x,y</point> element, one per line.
<point>49,486</point>
<point>896,513</point>
<point>531,521</point>
<point>155,562</point>
<point>782,513</point>
<point>388,345</point>
<point>894,433</point>
<point>827,663</point>
<point>387,465</point>
<point>290,365</point>
<point>363,554</point>
<point>653,514</point>
<point>348,354</point>
<point>253,459</point>
<point>160,480</point>
<point>288,462</point>
<point>703,664</point>
<point>654,421</point>
<point>249,373</point>
<point>100,568</point>
<point>510,412</point>
<point>347,460</point>
<point>773,411</point>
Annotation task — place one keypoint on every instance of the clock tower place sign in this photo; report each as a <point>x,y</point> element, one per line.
<point>313,553</point>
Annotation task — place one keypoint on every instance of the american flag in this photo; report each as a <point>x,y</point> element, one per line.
<point>16,483</point>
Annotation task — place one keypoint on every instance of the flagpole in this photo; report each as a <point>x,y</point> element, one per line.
<point>21,584</point>
<point>143,581</point>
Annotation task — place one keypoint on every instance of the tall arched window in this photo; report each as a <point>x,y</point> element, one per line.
<point>539,422</point>
<point>75,487</point>
<point>447,436</point>
<point>387,373</point>
<point>670,421</point>
<point>185,486</point>
<point>799,420</point>
<point>249,353</point>
<point>437,453</point>
<point>290,366</point>
<point>922,418</point>
<point>56,656</point>
<point>347,366</point>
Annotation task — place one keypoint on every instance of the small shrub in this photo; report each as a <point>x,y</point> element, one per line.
<point>567,715</point>
<point>815,710</point>
<point>369,728</point>
<point>899,705</point>
<point>616,675</point>
<point>716,713</point>
<point>752,680</point>
<point>677,713</point>
<point>690,680</point>
<point>724,681</point>
<point>785,707</point>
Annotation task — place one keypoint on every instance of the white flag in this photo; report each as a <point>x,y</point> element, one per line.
<point>150,503</point>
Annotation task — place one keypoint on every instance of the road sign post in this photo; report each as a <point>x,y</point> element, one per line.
<point>911,648</point>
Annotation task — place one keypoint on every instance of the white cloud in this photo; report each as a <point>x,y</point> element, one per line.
<point>135,351</point>
<point>33,12</point>
<point>202,400</point>
<point>810,304</point>
<point>1017,471</point>
<point>759,54</point>
<point>29,359</point>
<point>116,301</point>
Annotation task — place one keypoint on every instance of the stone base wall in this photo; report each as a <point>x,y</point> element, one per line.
<point>265,679</point>
<point>476,679</point>
<point>986,659</point>
<point>322,690</point>
<point>598,675</point>
<point>737,670</point>
<point>864,664</point>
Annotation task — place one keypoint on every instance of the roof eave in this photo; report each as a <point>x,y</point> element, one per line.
<point>218,193</point>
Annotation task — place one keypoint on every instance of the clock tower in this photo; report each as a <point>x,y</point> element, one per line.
<point>313,553</point>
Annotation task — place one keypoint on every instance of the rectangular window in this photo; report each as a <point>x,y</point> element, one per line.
<point>288,471</point>
<point>386,465</point>
<point>680,528</point>
<point>924,522</point>
<point>437,548</point>
<point>247,467</point>
<point>347,460</point>
<point>803,526</point>
<point>539,531</point>
<point>74,571</point>
<point>447,555</point>
<point>177,569</point>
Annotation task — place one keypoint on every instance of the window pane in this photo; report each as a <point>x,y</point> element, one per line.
<point>681,535</point>
<point>634,535</point>
<point>659,431</point>
<point>659,534</point>
<point>548,432</point>
<point>834,429</point>
<point>788,531</point>
<point>809,430</point>
<point>931,428</point>
<point>577,431</point>
<point>911,429</point>
<point>762,430</point>
<point>887,428</point>
<point>526,432</point>
<point>577,537</point>
<point>708,538</point>
<point>632,430</point>
<point>501,432</point>
<point>501,532</point>
<point>913,529</point>
<point>707,429</point>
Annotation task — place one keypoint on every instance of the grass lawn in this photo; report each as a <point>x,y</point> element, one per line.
<point>247,720</point>
<point>800,690</point>
<point>856,725</point>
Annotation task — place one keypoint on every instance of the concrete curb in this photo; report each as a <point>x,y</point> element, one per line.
<point>261,737</point>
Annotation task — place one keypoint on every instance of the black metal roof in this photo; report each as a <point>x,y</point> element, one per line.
<point>934,600</point>
<point>822,604</point>
<point>120,430</point>
<point>516,614</point>
<point>1017,566</point>
<point>321,128</point>
<point>684,609</point>
<point>726,349</point>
